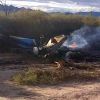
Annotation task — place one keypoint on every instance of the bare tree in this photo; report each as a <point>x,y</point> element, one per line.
<point>4,4</point>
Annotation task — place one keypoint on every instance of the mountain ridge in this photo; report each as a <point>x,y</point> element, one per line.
<point>12,9</point>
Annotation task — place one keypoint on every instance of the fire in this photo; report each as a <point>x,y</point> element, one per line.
<point>73,45</point>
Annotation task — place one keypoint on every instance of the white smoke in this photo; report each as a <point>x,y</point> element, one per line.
<point>86,36</point>
<point>78,39</point>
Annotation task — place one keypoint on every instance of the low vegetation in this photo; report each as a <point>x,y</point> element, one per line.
<point>38,23</point>
<point>53,76</point>
<point>34,76</point>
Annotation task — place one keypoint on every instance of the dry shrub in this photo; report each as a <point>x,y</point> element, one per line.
<point>52,76</point>
<point>34,76</point>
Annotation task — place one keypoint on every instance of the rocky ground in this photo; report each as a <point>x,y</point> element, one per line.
<point>72,90</point>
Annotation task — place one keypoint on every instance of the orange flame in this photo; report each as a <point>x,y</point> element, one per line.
<point>73,46</point>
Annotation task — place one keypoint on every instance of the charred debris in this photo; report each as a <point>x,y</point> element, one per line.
<point>82,44</point>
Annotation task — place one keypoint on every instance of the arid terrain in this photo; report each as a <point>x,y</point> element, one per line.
<point>70,90</point>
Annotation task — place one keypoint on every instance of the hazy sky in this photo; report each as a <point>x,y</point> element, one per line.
<point>58,5</point>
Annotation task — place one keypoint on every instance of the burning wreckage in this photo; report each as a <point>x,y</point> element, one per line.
<point>81,44</point>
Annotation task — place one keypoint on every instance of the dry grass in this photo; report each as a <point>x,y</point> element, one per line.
<point>34,76</point>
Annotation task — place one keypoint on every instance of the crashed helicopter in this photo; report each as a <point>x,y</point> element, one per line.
<point>81,44</point>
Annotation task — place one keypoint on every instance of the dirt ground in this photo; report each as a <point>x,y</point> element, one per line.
<point>66,91</point>
<point>74,90</point>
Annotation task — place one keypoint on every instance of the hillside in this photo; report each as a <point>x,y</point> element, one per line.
<point>11,8</point>
<point>96,14</point>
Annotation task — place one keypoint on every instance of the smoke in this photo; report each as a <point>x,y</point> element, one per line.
<point>78,39</point>
<point>84,37</point>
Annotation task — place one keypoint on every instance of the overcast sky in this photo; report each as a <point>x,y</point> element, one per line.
<point>58,5</point>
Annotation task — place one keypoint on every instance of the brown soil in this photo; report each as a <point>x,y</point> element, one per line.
<point>73,90</point>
